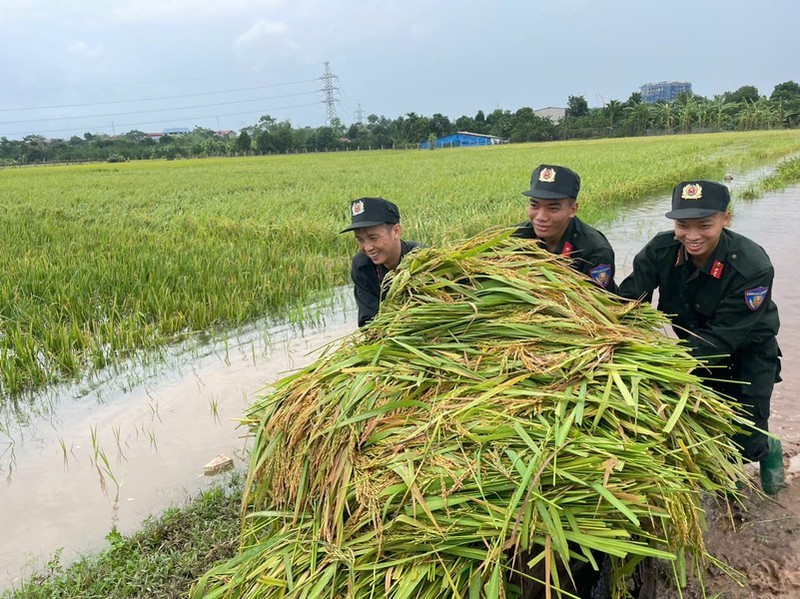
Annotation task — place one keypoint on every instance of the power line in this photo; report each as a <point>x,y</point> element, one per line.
<point>152,110</point>
<point>194,118</point>
<point>227,91</point>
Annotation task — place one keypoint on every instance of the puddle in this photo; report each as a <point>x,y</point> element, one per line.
<point>157,431</point>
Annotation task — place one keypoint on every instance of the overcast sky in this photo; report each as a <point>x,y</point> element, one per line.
<point>109,66</point>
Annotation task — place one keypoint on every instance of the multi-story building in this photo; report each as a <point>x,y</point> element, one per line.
<point>663,91</point>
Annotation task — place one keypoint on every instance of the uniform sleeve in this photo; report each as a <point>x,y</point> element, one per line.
<point>599,265</point>
<point>367,295</point>
<point>643,280</point>
<point>737,316</point>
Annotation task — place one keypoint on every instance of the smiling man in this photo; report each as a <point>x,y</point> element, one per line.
<point>377,229</point>
<point>553,222</point>
<point>717,287</point>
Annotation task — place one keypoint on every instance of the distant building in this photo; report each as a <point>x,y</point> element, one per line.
<point>177,131</point>
<point>552,113</point>
<point>663,91</point>
<point>464,138</point>
<point>226,134</point>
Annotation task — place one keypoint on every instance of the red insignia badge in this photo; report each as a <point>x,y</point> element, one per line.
<point>716,269</point>
<point>692,191</point>
<point>547,175</point>
<point>567,249</point>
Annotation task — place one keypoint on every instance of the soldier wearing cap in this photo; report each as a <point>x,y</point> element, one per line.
<point>552,221</point>
<point>717,287</point>
<point>376,224</point>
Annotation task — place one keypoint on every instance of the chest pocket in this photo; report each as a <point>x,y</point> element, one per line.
<point>703,298</point>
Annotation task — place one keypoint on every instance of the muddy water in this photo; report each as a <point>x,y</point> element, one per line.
<point>158,429</point>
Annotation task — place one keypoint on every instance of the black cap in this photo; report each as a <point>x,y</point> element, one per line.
<point>369,212</point>
<point>549,182</point>
<point>698,199</point>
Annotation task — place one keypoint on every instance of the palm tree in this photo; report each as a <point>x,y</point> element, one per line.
<point>640,115</point>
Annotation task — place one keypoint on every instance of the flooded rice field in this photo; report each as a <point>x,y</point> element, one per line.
<point>111,451</point>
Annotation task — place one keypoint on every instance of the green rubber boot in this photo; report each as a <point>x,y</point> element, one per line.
<point>773,478</point>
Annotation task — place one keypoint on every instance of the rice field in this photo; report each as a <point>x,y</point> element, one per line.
<point>103,260</point>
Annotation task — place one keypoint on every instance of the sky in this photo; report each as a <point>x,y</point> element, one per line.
<point>111,66</point>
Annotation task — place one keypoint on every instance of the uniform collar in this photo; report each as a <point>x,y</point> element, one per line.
<point>715,265</point>
<point>565,245</point>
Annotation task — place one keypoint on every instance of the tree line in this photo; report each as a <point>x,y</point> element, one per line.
<point>742,109</point>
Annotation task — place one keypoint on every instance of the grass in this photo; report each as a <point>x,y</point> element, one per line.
<point>100,261</point>
<point>161,560</point>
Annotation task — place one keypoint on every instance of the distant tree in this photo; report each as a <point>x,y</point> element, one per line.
<point>634,99</point>
<point>786,91</point>
<point>500,123</point>
<point>282,138</point>
<point>746,93</point>
<point>614,111</point>
<point>480,122</point>
<point>244,143</point>
<point>577,106</point>
<point>263,142</point>
<point>440,125</point>
<point>640,115</point>
<point>465,123</point>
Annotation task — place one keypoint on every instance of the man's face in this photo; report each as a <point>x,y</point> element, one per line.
<point>381,244</point>
<point>700,236</point>
<point>550,218</point>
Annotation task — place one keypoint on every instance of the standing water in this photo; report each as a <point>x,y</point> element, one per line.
<point>135,444</point>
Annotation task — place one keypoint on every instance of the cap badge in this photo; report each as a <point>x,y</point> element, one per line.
<point>547,175</point>
<point>358,208</point>
<point>692,191</point>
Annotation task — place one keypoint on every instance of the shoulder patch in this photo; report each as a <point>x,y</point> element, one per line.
<point>601,274</point>
<point>754,297</point>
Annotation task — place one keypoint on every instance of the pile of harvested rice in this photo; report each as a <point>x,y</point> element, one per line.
<point>500,405</point>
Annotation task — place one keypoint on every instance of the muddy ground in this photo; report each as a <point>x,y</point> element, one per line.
<point>762,542</point>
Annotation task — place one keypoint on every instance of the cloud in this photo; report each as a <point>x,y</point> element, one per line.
<point>82,50</point>
<point>173,10</point>
<point>262,31</point>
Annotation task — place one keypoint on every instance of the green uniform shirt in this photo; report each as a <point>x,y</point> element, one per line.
<point>586,247</point>
<point>727,304</point>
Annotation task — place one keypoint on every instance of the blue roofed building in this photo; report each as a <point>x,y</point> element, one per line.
<point>464,139</point>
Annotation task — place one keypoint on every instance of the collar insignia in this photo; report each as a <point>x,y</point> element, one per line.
<point>547,175</point>
<point>567,249</point>
<point>716,269</point>
<point>692,191</point>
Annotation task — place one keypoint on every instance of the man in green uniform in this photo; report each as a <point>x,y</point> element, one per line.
<point>717,287</point>
<point>552,221</point>
<point>376,224</point>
